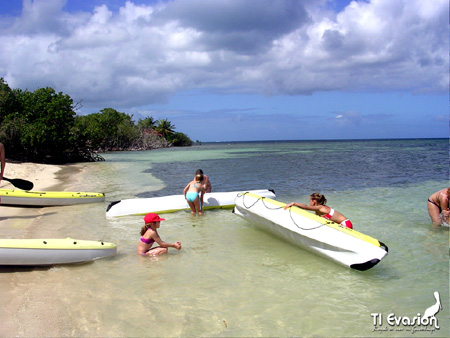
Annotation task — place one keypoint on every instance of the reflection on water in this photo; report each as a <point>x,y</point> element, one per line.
<point>232,279</point>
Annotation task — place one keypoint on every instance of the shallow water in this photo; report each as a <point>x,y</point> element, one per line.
<point>232,279</point>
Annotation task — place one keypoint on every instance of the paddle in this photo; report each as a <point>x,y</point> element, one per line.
<point>20,183</point>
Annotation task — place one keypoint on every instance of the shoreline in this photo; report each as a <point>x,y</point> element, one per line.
<point>42,175</point>
<point>16,222</point>
<point>17,283</point>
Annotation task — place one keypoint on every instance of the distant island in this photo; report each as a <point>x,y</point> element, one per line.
<point>43,127</point>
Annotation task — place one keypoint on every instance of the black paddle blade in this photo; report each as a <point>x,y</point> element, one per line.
<point>20,183</point>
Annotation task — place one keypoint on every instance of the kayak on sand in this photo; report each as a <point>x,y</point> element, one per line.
<point>47,198</point>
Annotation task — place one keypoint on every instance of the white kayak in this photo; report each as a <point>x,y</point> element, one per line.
<point>47,198</point>
<point>309,231</point>
<point>167,204</point>
<point>38,252</point>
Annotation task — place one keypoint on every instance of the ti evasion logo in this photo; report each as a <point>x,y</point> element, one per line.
<point>425,322</point>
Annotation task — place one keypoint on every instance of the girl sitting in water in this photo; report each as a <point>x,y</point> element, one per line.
<point>194,192</point>
<point>317,204</point>
<point>150,235</point>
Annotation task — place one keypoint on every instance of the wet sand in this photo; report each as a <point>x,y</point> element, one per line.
<point>16,287</point>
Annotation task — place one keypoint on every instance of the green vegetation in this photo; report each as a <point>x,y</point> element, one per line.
<point>42,126</point>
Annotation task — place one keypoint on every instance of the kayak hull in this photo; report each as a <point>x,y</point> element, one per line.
<point>42,252</point>
<point>173,203</point>
<point>47,198</point>
<point>311,232</point>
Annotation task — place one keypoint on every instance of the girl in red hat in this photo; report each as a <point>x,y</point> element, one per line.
<point>150,235</point>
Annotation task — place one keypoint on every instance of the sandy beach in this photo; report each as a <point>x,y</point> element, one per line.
<point>44,177</point>
<point>16,287</point>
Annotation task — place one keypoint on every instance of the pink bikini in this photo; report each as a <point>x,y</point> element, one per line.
<point>148,241</point>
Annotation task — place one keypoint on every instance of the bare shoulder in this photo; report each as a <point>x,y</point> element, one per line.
<point>150,233</point>
<point>323,209</point>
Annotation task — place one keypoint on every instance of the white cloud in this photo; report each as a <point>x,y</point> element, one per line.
<point>142,54</point>
<point>348,118</point>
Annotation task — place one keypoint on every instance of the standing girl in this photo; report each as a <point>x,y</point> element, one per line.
<point>194,192</point>
<point>206,182</point>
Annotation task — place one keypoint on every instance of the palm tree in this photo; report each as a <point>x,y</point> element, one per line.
<point>148,123</point>
<point>165,128</point>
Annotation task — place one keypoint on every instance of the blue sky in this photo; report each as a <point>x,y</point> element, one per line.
<point>232,71</point>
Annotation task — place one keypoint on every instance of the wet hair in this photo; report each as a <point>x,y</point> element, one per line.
<point>199,171</point>
<point>145,228</point>
<point>199,177</point>
<point>319,198</point>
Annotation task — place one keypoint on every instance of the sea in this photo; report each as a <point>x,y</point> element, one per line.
<point>232,279</point>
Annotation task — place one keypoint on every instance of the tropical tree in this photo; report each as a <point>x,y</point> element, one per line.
<point>8,101</point>
<point>108,129</point>
<point>42,129</point>
<point>181,140</point>
<point>148,123</point>
<point>165,128</point>
<point>42,126</point>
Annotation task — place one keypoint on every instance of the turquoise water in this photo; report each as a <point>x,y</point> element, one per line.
<point>232,279</point>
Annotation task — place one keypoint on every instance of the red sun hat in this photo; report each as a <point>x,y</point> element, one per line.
<point>149,218</point>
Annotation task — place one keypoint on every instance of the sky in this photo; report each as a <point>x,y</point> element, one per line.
<point>241,70</point>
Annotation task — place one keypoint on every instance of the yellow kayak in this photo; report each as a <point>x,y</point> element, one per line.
<point>47,198</point>
<point>311,232</point>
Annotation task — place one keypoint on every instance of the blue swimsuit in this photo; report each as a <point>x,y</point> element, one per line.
<point>191,196</point>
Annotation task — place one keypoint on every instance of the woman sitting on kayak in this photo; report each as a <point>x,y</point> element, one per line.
<point>317,204</point>
<point>194,192</point>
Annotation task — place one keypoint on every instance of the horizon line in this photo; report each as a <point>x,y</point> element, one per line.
<point>316,140</point>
